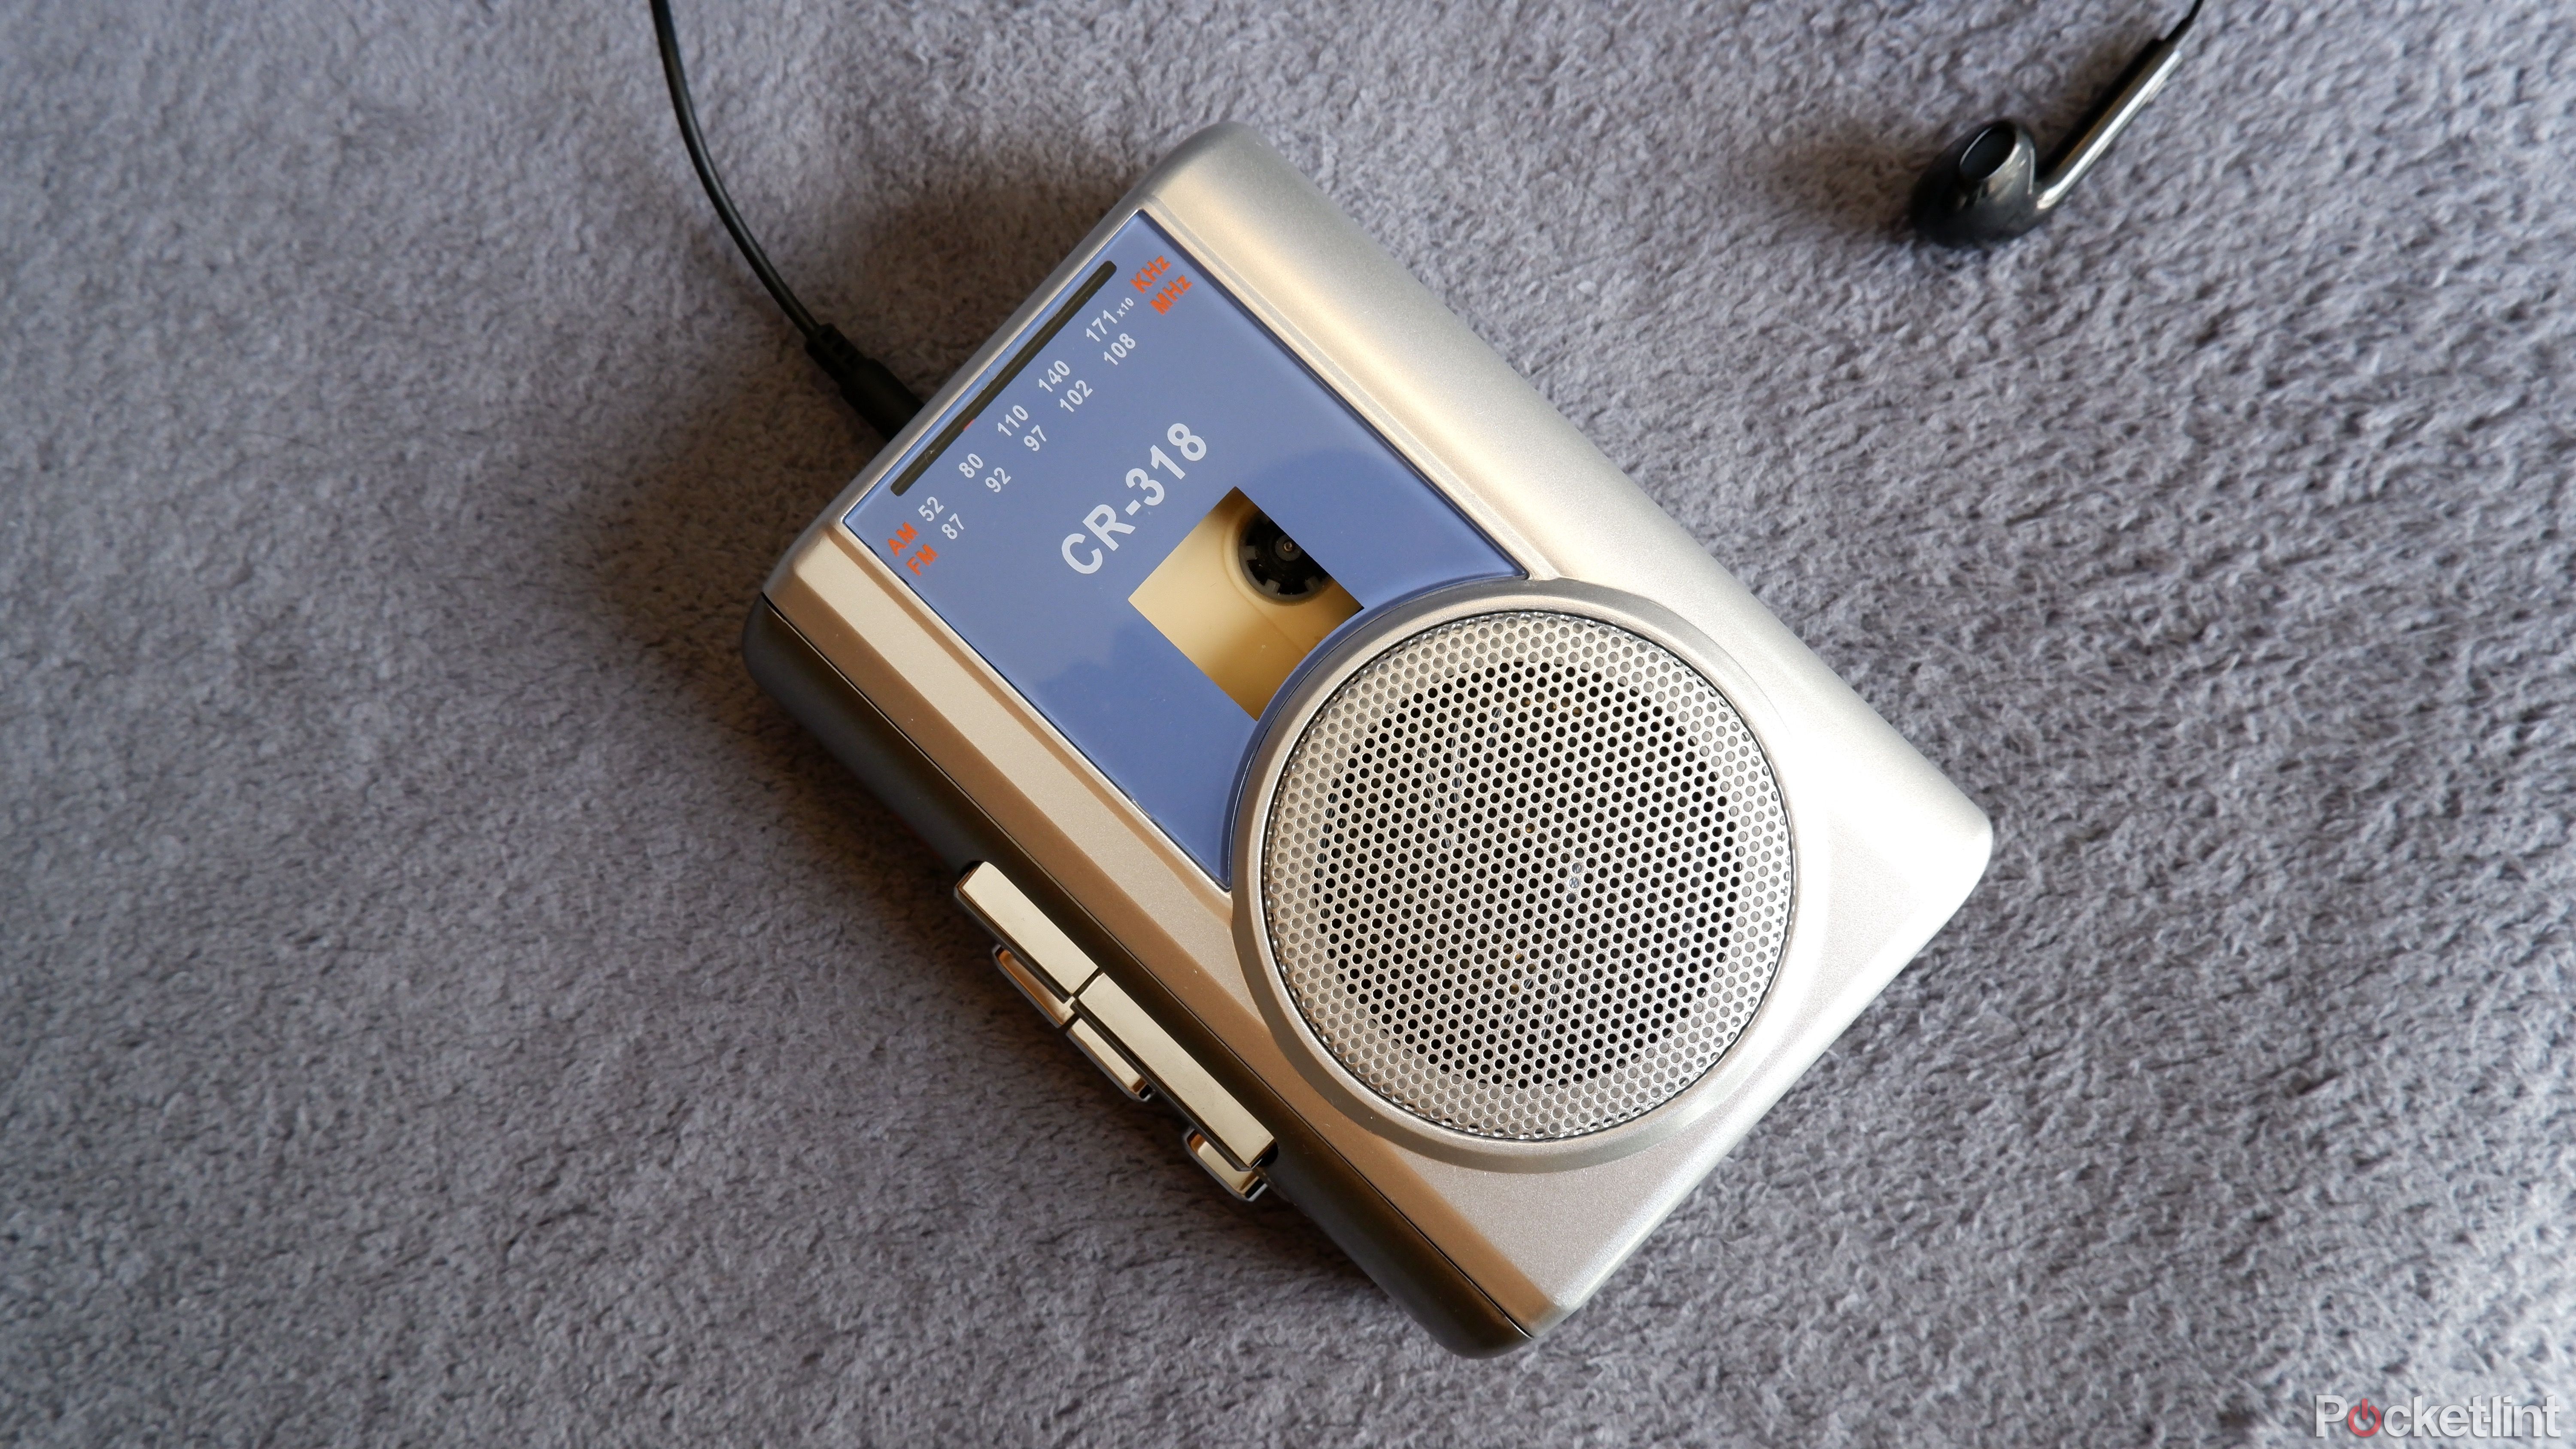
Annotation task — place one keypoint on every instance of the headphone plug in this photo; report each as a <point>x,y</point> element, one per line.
<point>865,383</point>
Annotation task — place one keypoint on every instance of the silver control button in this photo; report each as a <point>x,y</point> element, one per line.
<point>1113,1063</point>
<point>1033,936</point>
<point>1245,1185</point>
<point>1062,981</point>
<point>1235,1131</point>
<point>1042,996</point>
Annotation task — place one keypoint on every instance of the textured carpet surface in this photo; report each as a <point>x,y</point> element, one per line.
<point>443,1002</point>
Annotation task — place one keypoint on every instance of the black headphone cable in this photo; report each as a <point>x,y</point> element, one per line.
<point>865,383</point>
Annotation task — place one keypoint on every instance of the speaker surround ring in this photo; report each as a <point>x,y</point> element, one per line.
<point>1515,872</point>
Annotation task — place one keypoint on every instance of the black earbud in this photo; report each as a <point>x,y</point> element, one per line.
<point>1991,186</point>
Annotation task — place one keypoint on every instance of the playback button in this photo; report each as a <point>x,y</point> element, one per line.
<point>1001,907</point>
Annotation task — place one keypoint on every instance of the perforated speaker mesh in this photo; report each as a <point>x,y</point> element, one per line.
<point>1526,875</point>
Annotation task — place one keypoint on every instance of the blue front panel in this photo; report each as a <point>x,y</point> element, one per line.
<point>1071,468</point>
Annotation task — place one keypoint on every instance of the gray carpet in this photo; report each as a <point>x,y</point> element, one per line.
<point>446,1003</point>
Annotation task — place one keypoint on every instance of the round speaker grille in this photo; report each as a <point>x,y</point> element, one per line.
<point>1526,875</point>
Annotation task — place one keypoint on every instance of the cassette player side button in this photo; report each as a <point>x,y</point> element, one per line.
<point>1034,938</point>
<point>1236,1132</point>
<point>1057,1010</point>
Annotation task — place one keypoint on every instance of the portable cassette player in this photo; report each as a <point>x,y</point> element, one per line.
<point>1344,752</point>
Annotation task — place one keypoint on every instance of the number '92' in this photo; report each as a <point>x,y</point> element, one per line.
<point>1084,552</point>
